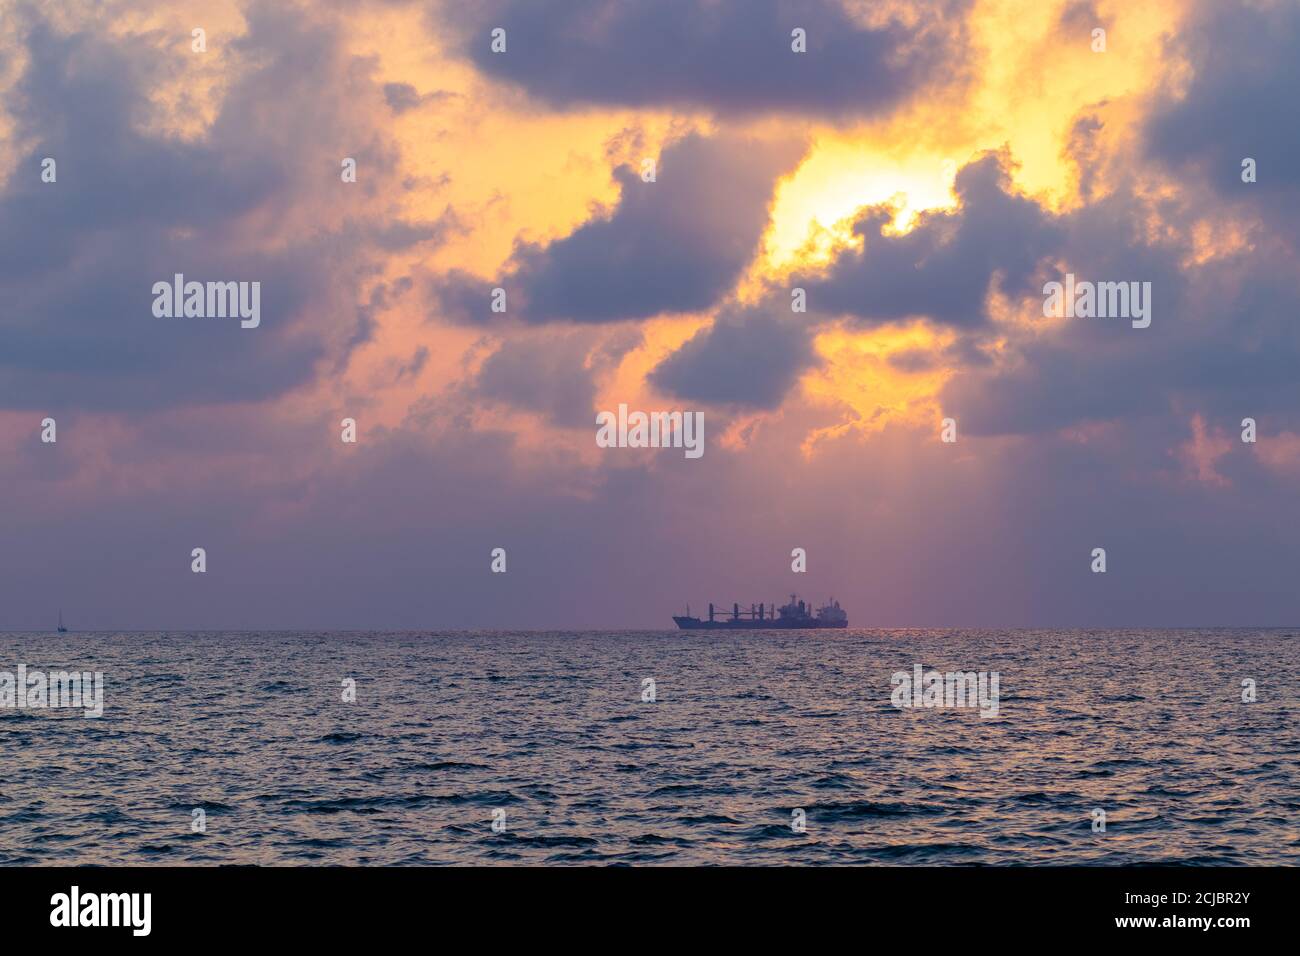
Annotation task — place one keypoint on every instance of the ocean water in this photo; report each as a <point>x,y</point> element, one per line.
<point>746,728</point>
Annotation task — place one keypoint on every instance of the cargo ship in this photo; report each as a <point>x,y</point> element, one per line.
<point>796,614</point>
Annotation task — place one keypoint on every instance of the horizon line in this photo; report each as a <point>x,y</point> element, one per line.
<point>641,630</point>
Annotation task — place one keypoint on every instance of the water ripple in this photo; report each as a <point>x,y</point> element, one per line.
<point>546,735</point>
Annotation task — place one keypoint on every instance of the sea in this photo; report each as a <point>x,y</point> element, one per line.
<point>1109,747</point>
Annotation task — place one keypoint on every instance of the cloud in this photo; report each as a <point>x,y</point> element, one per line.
<point>677,244</point>
<point>552,374</point>
<point>942,269</point>
<point>1073,433</point>
<point>747,357</point>
<point>1219,343</point>
<point>1240,102</point>
<point>403,97</point>
<point>730,56</point>
<point>1221,346</point>
<point>249,200</point>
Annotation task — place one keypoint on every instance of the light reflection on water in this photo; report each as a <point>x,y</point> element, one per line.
<point>1147,725</point>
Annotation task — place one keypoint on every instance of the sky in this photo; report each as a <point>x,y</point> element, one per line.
<point>649,182</point>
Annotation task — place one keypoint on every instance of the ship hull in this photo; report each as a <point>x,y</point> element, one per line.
<point>746,624</point>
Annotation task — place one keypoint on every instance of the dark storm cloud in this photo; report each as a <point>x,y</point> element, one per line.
<point>724,55</point>
<point>1243,100</point>
<point>674,245</point>
<point>79,257</point>
<point>941,270</point>
<point>746,357</point>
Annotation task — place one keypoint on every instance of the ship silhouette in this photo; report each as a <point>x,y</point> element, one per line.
<point>795,615</point>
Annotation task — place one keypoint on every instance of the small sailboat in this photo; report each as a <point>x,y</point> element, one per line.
<point>62,629</point>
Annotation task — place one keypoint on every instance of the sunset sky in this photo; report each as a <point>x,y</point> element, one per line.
<point>921,172</point>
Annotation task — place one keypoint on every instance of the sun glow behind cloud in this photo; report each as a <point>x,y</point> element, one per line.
<point>488,161</point>
<point>885,376</point>
<point>908,163</point>
<point>514,172</point>
<point>813,210</point>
